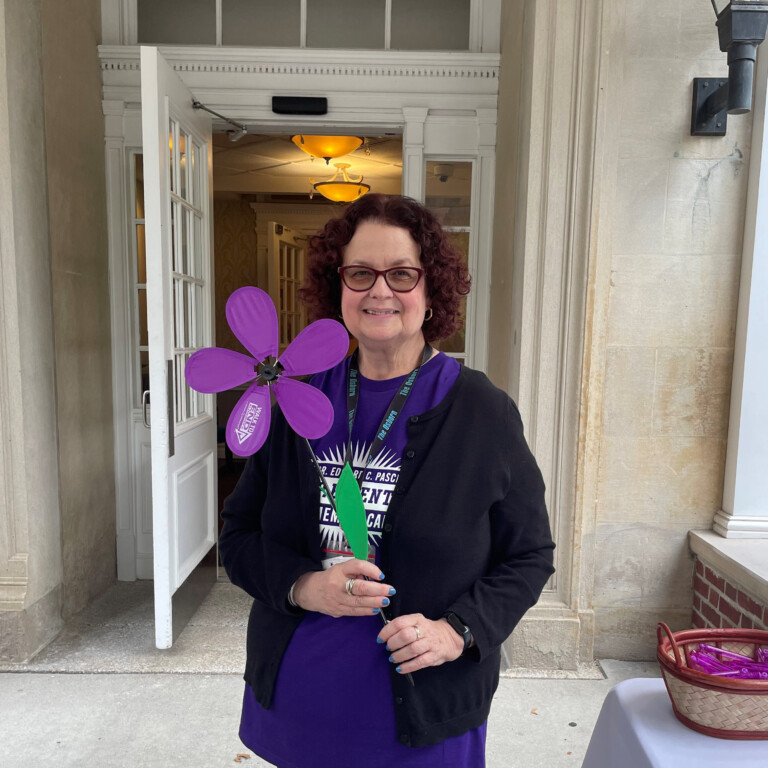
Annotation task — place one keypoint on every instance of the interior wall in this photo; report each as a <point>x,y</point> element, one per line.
<point>667,342</point>
<point>74,148</point>
<point>235,264</point>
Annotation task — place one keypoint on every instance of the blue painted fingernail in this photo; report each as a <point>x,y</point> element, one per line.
<point>379,640</point>
<point>391,659</point>
<point>385,601</point>
<point>392,591</point>
<point>398,669</point>
<point>387,648</point>
<point>375,610</point>
<point>381,577</point>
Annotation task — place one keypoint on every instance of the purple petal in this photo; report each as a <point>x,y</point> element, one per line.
<point>317,348</point>
<point>248,424</point>
<point>306,409</point>
<point>215,369</point>
<point>253,319</point>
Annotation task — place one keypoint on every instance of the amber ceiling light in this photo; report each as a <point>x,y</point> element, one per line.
<point>342,191</point>
<point>327,147</point>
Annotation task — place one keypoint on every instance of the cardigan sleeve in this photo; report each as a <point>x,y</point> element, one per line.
<point>522,550</point>
<point>262,555</point>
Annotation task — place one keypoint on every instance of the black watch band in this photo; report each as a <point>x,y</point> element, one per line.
<point>460,627</point>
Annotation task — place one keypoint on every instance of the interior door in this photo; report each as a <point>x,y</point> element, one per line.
<point>178,218</point>
<point>286,251</point>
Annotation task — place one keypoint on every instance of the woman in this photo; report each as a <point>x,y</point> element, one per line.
<point>460,545</point>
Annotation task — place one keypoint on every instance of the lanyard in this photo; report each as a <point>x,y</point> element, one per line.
<point>390,417</point>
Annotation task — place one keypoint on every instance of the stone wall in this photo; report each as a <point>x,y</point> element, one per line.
<point>668,341</point>
<point>74,150</point>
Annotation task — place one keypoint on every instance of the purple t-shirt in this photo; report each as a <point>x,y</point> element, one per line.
<point>333,705</point>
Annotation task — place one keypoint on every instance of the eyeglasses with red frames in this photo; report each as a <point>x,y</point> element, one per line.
<point>361,278</point>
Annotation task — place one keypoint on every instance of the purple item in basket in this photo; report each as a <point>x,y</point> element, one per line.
<point>722,663</point>
<point>253,319</point>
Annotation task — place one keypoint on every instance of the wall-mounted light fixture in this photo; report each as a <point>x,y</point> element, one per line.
<point>741,27</point>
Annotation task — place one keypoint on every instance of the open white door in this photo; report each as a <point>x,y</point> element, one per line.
<point>177,195</point>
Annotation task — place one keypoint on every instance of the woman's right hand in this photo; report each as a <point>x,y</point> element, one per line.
<point>326,591</point>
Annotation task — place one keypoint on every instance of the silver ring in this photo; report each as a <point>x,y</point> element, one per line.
<point>418,631</point>
<point>348,587</point>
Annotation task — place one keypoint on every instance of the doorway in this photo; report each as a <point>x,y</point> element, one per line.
<point>265,210</point>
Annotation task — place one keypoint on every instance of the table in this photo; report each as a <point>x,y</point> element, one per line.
<point>638,729</point>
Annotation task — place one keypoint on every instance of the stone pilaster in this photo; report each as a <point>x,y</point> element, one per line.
<point>30,529</point>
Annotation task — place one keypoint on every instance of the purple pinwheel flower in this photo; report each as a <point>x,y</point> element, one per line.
<point>253,319</point>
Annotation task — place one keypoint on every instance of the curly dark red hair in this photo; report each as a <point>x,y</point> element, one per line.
<point>447,278</point>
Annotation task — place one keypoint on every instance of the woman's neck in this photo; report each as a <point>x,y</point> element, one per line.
<point>380,364</point>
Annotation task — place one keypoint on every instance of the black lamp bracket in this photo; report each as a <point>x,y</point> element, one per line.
<point>709,111</point>
<point>741,27</point>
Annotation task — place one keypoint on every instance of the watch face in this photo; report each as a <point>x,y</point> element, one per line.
<point>459,627</point>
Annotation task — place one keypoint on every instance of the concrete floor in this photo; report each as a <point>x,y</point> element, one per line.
<point>101,694</point>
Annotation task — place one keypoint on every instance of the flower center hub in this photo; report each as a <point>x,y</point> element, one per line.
<point>268,370</point>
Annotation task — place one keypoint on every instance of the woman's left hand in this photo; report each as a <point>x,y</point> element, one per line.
<point>416,642</point>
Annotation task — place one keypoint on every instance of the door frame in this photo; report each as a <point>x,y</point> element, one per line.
<point>369,92</point>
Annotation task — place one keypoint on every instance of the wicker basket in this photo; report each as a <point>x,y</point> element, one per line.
<point>724,707</point>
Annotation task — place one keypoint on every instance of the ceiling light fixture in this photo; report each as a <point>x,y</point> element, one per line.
<point>342,191</point>
<point>327,147</point>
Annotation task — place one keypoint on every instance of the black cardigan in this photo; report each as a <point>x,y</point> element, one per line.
<point>466,531</point>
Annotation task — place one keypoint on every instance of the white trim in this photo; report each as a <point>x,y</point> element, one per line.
<point>387,25</point>
<point>120,23</point>
<point>745,486</point>
<point>413,152</point>
<point>311,61</point>
<point>129,32</point>
<point>119,289</point>
<point>741,526</point>
<point>303,23</point>
<point>741,562</point>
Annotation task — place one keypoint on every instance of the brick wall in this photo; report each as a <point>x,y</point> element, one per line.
<point>719,603</point>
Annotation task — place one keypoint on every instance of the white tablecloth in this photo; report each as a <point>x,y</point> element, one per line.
<point>638,729</point>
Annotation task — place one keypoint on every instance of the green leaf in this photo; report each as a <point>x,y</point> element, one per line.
<point>351,513</point>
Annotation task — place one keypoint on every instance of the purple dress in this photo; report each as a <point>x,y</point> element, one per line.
<point>333,706</point>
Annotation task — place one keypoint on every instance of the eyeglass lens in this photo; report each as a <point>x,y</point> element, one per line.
<point>398,278</point>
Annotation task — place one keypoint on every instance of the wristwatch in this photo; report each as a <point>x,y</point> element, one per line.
<point>460,627</point>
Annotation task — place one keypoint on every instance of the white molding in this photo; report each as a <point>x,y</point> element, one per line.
<point>742,562</point>
<point>745,485</point>
<point>413,152</point>
<point>120,289</point>
<point>307,62</point>
<point>120,23</point>
<point>741,526</point>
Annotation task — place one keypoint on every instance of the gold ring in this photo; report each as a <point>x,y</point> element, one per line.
<point>350,582</point>
<point>418,632</point>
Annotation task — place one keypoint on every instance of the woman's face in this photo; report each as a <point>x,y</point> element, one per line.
<point>382,319</point>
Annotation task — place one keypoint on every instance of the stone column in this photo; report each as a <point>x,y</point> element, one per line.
<point>30,527</point>
<point>745,489</point>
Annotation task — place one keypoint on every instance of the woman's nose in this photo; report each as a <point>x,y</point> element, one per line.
<point>380,287</point>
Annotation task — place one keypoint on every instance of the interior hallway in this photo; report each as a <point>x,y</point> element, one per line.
<point>103,694</point>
